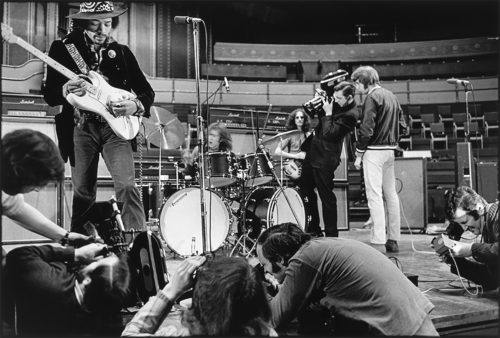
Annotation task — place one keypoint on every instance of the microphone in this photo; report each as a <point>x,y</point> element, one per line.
<point>182,20</point>
<point>458,81</point>
<point>226,84</point>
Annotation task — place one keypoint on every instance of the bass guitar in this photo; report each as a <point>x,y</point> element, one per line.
<point>98,92</point>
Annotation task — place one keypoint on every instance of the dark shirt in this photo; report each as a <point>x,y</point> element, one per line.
<point>326,145</point>
<point>381,121</point>
<point>118,65</point>
<point>352,280</point>
<point>44,291</point>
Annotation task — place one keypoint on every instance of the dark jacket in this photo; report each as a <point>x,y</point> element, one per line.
<point>326,144</point>
<point>382,121</point>
<point>42,281</point>
<point>43,290</point>
<point>118,65</point>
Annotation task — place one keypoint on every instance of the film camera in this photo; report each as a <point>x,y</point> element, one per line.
<point>327,84</point>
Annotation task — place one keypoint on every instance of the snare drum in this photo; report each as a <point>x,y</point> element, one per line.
<point>220,168</point>
<point>257,169</point>
<point>267,206</point>
<point>180,221</point>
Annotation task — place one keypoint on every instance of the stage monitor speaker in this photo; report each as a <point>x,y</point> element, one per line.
<point>340,191</point>
<point>487,180</point>
<point>411,185</point>
<point>465,165</point>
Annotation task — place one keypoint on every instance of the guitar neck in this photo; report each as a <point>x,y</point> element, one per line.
<point>47,59</point>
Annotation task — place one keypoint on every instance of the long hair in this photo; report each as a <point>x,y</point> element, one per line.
<point>29,159</point>
<point>366,75</point>
<point>225,142</point>
<point>228,299</point>
<point>282,241</point>
<point>290,121</point>
<point>462,197</point>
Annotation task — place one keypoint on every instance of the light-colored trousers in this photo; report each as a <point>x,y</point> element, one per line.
<point>380,185</point>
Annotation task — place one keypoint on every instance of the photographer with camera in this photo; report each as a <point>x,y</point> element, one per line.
<point>228,299</point>
<point>337,114</point>
<point>467,210</point>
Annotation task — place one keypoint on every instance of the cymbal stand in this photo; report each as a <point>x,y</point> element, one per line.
<point>161,128</point>
<point>281,187</point>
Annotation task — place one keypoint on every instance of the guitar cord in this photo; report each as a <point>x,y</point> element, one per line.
<point>140,139</point>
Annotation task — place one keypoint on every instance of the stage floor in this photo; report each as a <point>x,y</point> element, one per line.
<point>456,311</point>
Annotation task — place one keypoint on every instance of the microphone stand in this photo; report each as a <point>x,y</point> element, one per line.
<point>201,137</point>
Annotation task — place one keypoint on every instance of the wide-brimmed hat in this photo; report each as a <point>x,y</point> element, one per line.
<point>97,10</point>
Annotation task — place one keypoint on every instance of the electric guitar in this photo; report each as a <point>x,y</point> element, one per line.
<point>292,169</point>
<point>98,92</point>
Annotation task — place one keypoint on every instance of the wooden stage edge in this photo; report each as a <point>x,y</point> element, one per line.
<point>455,311</point>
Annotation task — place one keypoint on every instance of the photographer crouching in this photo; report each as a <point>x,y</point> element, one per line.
<point>337,114</point>
<point>467,210</point>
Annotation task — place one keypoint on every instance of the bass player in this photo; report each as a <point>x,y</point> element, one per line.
<point>82,134</point>
<point>289,149</point>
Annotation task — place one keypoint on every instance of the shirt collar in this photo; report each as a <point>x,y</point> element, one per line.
<point>373,88</point>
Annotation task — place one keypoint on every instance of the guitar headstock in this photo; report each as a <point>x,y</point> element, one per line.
<point>8,34</point>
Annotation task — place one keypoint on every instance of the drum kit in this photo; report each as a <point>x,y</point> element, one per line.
<point>243,195</point>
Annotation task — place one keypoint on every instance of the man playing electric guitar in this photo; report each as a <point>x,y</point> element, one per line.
<point>289,149</point>
<point>82,134</point>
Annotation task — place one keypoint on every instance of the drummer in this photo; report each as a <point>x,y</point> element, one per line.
<point>290,147</point>
<point>219,139</point>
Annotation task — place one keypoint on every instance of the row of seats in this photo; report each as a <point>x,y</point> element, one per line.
<point>435,126</point>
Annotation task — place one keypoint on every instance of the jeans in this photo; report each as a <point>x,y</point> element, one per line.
<point>97,137</point>
<point>380,184</point>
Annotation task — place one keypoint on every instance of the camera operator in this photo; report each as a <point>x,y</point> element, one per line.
<point>467,210</point>
<point>337,115</point>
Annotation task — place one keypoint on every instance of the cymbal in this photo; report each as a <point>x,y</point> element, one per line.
<point>163,129</point>
<point>280,136</point>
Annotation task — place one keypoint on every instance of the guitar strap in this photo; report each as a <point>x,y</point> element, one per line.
<point>77,57</point>
<point>84,68</point>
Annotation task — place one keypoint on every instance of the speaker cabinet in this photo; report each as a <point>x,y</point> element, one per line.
<point>411,185</point>
<point>340,190</point>
<point>487,180</point>
<point>45,201</point>
<point>105,189</point>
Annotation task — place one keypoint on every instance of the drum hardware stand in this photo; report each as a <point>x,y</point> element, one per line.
<point>281,186</point>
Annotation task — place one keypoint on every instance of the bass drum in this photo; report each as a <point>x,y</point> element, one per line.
<point>267,206</point>
<point>180,221</point>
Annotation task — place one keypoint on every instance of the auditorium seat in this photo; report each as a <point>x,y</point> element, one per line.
<point>406,142</point>
<point>490,122</point>
<point>438,134</point>
<point>474,132</point>
<point>414,115</point>
<point>444,113</point>
<point>427,119</point>
<point>459,121</point>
